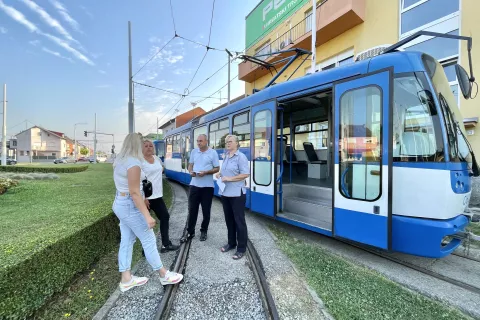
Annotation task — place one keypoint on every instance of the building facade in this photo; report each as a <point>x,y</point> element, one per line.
<point>180,120</point>
<point>37,143</point>
<point>346,28</point>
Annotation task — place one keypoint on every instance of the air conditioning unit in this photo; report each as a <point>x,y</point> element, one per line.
<point>372,52</point>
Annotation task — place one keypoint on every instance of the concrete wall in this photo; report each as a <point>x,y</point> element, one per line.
<point>470,26</point>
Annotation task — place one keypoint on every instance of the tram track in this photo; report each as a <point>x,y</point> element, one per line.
<point>167,302</point>
<point>415,267</point>
<point>466,257</point>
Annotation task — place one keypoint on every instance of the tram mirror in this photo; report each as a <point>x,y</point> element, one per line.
<point>463,81</point>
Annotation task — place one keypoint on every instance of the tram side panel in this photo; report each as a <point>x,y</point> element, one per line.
<point>428,207</point>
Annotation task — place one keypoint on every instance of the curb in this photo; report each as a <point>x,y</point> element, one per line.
<point>313,294</point>
<point>112,300</point>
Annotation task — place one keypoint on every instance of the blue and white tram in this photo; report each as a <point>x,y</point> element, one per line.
<point>370,152</point>
<point>159,149</point>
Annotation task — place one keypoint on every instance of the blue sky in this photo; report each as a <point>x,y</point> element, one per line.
<point>64,60</point>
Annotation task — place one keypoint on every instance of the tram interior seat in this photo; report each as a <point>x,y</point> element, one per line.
<point>297,164</point>
<point>317,168</point>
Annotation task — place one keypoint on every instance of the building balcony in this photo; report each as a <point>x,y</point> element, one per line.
<point>332,19</point>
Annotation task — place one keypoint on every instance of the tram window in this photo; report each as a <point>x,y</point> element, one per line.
<point>218,132</point>
<point>241,128</point>
<point>360,143</point>
<point>176,144</point>
<point>198,131</point>
<point>169,145</point>
<point>316,133</point>
<point>262,172</point>
<point>286,133</point>
<point>416,126</point>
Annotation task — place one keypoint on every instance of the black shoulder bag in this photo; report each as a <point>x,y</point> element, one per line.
<point>147,187</point>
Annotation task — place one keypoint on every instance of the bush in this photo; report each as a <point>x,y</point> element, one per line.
<point>6,183</point>
<point>72,169</point>
<point>25,286</point>
<point>29,176</point>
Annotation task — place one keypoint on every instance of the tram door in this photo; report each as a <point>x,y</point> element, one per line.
<point>262,168</point>
<point>186,178</point>
<point>363,165</point>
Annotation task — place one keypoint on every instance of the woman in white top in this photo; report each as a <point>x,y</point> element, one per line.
<point>134,216</point>
<point>153,169</point>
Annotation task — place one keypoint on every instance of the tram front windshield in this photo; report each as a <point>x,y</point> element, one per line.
<point>456,136</point>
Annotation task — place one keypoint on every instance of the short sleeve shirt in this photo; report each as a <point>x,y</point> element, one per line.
<point>231,167</point>
<point>120,173</point>
<point>203,161</point>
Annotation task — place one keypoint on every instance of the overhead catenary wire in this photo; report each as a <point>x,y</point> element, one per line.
<point>188,93</point>
<point>153,57</point>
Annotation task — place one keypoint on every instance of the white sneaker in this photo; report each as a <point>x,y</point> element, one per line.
<point>134,282</point>
<point>171,278</point>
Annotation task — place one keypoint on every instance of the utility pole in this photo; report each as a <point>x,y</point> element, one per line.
<point>4,130</point>
<point>157,128</point>
<point>229,62</point>
<point>75,139</point>
<point>314,34</point>
<point>131,125</point>
<point>95,141</point>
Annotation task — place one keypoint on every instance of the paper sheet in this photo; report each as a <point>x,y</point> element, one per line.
<point>220,183</point>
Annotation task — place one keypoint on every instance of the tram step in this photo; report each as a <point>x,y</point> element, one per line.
<point>307,192</point>
<point>327,225</point>
<point>317,209</point>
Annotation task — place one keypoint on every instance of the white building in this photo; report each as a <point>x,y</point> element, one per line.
<point>37,143</point>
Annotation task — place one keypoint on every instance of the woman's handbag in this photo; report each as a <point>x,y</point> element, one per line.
<point>147,187</point>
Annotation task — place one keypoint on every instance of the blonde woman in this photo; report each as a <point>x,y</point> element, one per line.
<point>134,216</point>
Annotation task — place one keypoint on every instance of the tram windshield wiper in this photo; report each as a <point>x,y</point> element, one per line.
<point>454,132</point>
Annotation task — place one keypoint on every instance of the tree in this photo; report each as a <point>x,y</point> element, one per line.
<point>84,151</point>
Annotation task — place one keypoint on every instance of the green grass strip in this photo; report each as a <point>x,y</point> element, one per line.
<point>354,292</point>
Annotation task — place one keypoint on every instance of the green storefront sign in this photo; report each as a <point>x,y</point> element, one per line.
<point>267,15</point>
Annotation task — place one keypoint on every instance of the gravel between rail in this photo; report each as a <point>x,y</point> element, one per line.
<point>216,286</point>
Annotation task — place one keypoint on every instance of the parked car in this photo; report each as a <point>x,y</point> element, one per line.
<point>83,159</point>
<point>10,161</point>
<point>64,160</point>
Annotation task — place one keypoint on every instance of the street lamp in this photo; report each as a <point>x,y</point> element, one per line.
<point>75,138</point>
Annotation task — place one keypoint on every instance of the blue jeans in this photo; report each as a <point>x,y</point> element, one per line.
<point>133,225</point>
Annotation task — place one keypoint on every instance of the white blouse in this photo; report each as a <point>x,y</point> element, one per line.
<point>154,175</point>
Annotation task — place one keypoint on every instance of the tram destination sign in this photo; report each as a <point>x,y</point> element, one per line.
<point>267,15</point>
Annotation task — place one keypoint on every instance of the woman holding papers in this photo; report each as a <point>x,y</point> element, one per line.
<point>231,183</point>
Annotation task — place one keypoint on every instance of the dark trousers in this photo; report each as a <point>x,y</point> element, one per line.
<point>203,196</point>
<point>234,210</point>
<point>158,206</point>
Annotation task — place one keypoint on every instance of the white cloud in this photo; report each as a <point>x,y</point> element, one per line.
<point>20,18</point>
<point>49,20</point>
<point>181,71</point>
<point>3,30</point>
<point>102,71</point>
<point>67,47</point>
<point>65,15</point>
<point>154,40</point>
<point>88,13</point>
<point>57,54</point>
<point>34,42</point>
